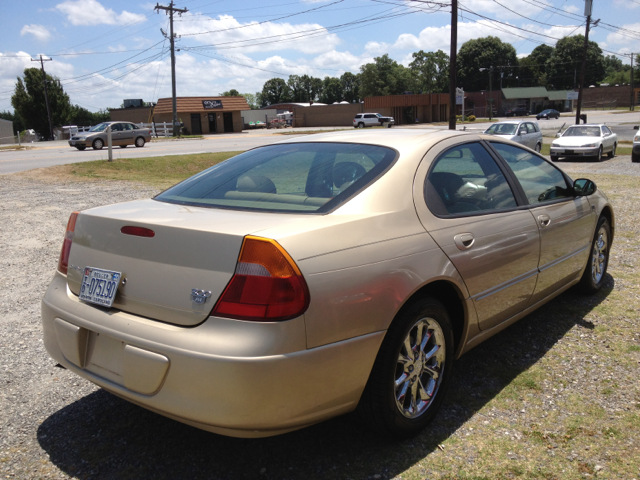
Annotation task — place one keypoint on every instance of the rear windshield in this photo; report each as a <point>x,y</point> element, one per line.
<point>295,177</point>
<point>502,129</point>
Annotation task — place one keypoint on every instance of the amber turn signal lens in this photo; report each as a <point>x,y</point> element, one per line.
<point>63,261</point>
<point>267,285</point>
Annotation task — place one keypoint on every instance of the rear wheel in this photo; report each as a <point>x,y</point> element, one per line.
<point>612,153</point>
<point>139,142</point>
<point>554,158</point>
<point>388,125</point>
<point>361,125</point>
<point>538,147</point>
<point>412,371</point>
<point>98,144</point>
<point>635,158</point>
<point>594,273</point>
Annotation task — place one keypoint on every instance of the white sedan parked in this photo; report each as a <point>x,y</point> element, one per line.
<point>585,141</point>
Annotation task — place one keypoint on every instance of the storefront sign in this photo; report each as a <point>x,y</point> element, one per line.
<point>208,104</point>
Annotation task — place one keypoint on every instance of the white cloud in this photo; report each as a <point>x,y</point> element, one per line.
<point>626,4</point>
<point>629,43</point>
<point>572,9</point>
<point>40,32</point>
<point>226,31</point>
<point>91,12</point>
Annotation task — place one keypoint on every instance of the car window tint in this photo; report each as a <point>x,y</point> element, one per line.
<point>116,127</point>
<point>540,180</point>
<point>465,179</point>
<point>300,177</point>
<point>126,126</point>
<point>530,128</point>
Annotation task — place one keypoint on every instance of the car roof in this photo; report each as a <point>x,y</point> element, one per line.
<point>511,121</point>
<point>588,125</point>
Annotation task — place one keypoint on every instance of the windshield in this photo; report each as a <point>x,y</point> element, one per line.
<point>502,129</point>
<point>582,132</point>
<point>99,128</point>
<point>296,177</point>
<point>378,115</point>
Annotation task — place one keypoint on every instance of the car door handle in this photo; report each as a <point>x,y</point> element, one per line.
<point>464,241</point>
<point>544,220</point>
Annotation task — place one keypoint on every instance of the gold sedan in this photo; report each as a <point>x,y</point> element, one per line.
<point>122,134</point>
<point>309,278</point>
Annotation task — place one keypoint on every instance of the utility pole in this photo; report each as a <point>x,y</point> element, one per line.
<point>452,65</point>
<point>490,99</point>
<point>588,5</point>
<point>632,107</point>
<point>170,9</point>
<point>46,94</point>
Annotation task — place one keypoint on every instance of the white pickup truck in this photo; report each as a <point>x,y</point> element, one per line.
<point>371,119</point>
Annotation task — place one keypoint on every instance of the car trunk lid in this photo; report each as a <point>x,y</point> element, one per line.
<point>192,248</point>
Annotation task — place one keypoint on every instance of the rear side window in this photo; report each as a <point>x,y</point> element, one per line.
<point>466,180</point>
<point>541,181</point>
<point>530,128</point>
<point>298,177</point>
<point>359,115</point>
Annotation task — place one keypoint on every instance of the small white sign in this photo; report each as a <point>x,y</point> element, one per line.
<point>572,95</point>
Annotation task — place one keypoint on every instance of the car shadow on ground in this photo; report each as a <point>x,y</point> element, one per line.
<point>103,436</point>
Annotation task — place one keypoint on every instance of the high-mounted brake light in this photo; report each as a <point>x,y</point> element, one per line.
<point>267,285</point>
<point>63,262</point>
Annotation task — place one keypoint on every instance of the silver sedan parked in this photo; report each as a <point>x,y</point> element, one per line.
<point>526,133</point>
<point>312,277</point>
<point>122,134</point>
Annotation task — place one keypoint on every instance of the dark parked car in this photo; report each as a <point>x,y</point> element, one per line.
<point>549,113</point>
<point>517,112</point>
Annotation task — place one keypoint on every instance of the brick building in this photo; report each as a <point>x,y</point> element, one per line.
<point>204,115</point>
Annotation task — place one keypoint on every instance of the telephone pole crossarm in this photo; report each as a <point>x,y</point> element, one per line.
<point>170,10</point>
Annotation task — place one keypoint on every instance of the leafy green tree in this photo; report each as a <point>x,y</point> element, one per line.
<point>28,100</point>
<point>350,87</point>
<point>384,77</point>
<point>275,91</point>
<point>618,78</point>
<point>480,53</point>
<point>534,68</point>
<point>566,62</point>
<point>231,93</point>
<point>311,88</point>
<point>251,99</point>
<point>294,83</point>
<point>430,71</point>
<point>331,90</point>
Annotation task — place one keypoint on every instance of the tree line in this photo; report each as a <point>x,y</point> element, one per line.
<point>481,63</point>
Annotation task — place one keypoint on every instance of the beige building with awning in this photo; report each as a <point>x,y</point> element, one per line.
<point>203,115</point>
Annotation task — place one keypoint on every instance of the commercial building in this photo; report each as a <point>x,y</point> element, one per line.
<point>7,135</point>
<point>203,115</point>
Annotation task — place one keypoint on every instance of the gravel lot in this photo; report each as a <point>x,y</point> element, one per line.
<point>530,402</point>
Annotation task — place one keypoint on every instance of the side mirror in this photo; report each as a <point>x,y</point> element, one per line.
<point>558,135</point>
<point>584,187</point>
<point>636,127</point>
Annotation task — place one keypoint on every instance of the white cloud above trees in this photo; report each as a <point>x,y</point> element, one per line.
<point>92,12</point>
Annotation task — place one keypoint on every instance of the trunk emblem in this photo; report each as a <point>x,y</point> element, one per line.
<point>199,297</point>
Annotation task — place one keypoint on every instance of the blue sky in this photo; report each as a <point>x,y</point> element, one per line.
<point>106,51</point>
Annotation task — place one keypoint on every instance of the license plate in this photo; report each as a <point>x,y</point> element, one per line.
<point>99,286</point>
<point>570,152</point>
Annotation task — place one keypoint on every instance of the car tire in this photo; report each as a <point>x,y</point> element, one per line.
<point>421,370</point>
<point>599,156</point>
<point>635,158</point>
<point>554,158</point>
<point>538,147</point>
<point>360,125</point>
<point>123,146</point>
<point>612,153</point>
<point>81,148</point>
<point>389,125</point>
<point>596,268</point>
<point>97,144</point>
<point>139,142</point>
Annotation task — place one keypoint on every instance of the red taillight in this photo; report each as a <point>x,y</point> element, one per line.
<point>267,285</point>
<point>138,231</point>
<point>63,262</point>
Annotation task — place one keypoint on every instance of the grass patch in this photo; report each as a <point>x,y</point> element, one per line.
<point>160,172</point>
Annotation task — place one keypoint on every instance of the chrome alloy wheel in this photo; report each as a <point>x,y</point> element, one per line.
<point>419,367</point>
<point>599,255</point>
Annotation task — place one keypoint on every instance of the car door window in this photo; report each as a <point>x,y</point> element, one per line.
<point>530,128</point>
<point>116,127</point>
<point>541,181</point>
<point>606,131</point>
<point>522,130</point>
<point>126,126</point>
<point>466,180</point>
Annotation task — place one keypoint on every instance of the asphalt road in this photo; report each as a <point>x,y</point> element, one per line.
<point>47,154</point>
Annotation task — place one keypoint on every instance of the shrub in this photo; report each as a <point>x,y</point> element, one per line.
<point>471,118</point>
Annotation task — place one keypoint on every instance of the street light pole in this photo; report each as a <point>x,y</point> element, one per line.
<point>490,90</point>
<point>452,65</point>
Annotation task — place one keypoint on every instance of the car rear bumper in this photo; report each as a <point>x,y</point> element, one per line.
<point>574,152</point>
<point>236,378</point>
<point>78,143</point>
